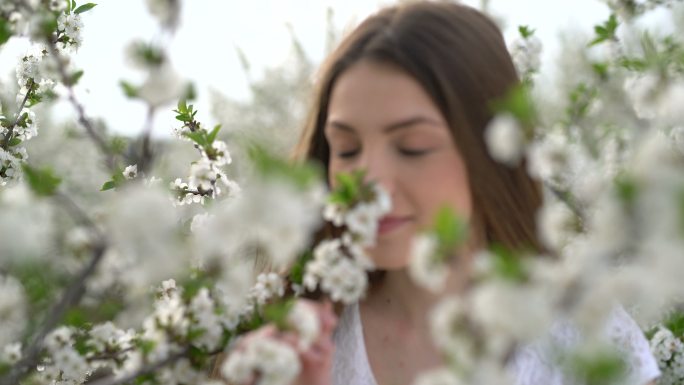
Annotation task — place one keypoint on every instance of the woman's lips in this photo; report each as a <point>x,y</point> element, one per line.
<point>388,224</point>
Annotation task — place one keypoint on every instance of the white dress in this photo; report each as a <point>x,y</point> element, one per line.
<point>532,364</point>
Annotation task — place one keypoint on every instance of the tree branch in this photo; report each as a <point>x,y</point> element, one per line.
<point>73,295</point>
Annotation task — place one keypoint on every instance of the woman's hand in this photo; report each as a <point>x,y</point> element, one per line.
<point>316,360</point>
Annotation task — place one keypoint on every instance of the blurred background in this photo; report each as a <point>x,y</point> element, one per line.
<point>243,54</point>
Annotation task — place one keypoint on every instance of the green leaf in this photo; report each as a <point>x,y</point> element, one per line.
<point>278,312</point>
<point>84,8</point>
<point>519,103</point>
<point>297,271</point>
<point>5,31</point>
<point>450,230</point>
<point>507,265</point>
<point>675,322</point>
<point>108,185</point>
<point>42,181</point>
<point>212,135</point>
<point>600,69</point>
<point>129,89</point>
<point>14,141</point>
<point>606,31</point>
<point>599,366</point>
<point>198,137</point>
<point>75,77</point>
<point>73,5</point>
<point>627,189</point>
<point>525,31</point>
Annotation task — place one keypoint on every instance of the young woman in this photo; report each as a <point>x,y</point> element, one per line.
<point>406,96</point>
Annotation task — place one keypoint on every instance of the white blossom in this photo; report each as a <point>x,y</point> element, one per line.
<point>131,171</point>
<point>203,310</point>
<point>11,353</point>
<point>424,268</point>
<point>162,86</point>
<point>274,361</point>
<point>345,281</point>
<point>305,321</point>
<point>268,287</point>
<point>505,140</point>
<point>526,55</point>
<point>556,224</point>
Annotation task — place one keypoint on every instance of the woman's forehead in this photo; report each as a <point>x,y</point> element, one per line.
<point>370,93</point>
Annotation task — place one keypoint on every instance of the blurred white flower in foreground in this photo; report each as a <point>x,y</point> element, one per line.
<point>504,138</point>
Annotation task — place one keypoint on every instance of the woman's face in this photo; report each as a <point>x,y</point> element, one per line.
<point>381,120</point>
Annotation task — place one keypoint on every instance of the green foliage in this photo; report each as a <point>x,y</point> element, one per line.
<point>626,189</point>
<point>581,98</point>
<point>117,180</point>
<point>297,272</point>
<point>5,31</point>
<point>43,182</point>
<point>185,113</point>
<point>84,8</point>
<point>75,77</point>
<point>303,175</point>
<point>525,31</point>
<point>14,141</point>
<point>675,322</point>
<point>450,231</point>
<point>606,31</point>
<point>601,367</point>
<point>129,89</point>
<point>349,188</point>
<point>507,265</point>
<point>195,283</point>
<point>277,313</point>
<point>518,102</point>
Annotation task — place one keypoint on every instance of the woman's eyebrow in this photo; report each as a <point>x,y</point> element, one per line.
<point>390,127</point>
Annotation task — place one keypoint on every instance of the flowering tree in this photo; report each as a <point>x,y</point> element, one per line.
<point>137,261</point>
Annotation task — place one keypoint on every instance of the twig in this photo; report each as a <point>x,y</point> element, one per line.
<point>147,157</point>
<point>72,296</point>
<point>10,129</point>
<point>565,197</point>
<point>144,370</point>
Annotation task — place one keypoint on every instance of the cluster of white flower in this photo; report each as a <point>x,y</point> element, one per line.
<point>72,368</point>
<point>424,267</point>
<point>70,26</point>
<point>304,320</point>
<point>203,311</point>
<point>526,54</point>
<point>339,265</point>
<point>669,352</point>
<point>268,286</point>
<point>273,219</point>
<point>268,361</point>
<point>207,178</point>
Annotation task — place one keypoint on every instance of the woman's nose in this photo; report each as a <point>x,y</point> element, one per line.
<point>378,170</point>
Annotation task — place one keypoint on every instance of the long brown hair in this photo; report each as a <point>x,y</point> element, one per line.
<point>459,57</point>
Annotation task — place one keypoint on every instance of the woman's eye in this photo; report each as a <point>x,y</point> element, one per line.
<point>413,152</point>
<point>347,154</point>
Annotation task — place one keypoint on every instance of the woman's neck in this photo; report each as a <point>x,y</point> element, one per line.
<point>397,296</point>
